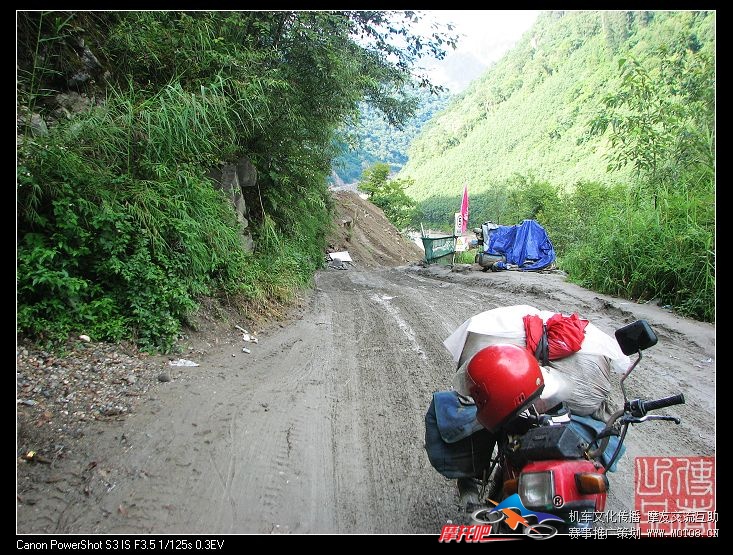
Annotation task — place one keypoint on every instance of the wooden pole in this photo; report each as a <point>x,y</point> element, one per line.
<point>453,260</point>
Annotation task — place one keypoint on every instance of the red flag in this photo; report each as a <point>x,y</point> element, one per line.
<point>464,209</point>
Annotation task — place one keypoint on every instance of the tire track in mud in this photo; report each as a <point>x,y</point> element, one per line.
<point>242,473</point>
<point>388,418</point>
<point>369,418</point>
<point>288,432</point>
<point>293,390</point>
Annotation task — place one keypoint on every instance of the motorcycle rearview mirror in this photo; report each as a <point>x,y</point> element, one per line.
<point>636,337</point>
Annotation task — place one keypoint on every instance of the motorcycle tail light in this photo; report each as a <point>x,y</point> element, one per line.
<point>536,489</point>
<point>591,482</point>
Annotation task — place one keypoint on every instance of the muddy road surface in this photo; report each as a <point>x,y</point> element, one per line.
<point>320,428</point>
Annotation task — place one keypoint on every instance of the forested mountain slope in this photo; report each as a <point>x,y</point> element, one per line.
<point>530,114</point>
<point>372,140</point>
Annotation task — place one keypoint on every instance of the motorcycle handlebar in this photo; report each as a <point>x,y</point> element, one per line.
<point>637,409</point>
<point>678,399</point>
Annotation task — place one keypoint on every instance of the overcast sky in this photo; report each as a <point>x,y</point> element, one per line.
<point>486,35</point>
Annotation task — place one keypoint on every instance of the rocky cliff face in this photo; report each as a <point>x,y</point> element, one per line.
<point>233,179</point>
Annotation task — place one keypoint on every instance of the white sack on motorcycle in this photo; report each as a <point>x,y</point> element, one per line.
<point>585,374</point>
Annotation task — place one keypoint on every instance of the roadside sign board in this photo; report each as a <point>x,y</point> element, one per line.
<point>461,243</point>
<point>458,228</point>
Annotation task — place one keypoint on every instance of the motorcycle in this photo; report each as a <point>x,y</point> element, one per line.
<point>549,470</point>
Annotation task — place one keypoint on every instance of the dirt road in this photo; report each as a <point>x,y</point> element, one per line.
<point>320,428</point>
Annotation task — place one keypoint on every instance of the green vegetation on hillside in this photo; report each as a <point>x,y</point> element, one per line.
<point>600,125</point>
<point>373,140</point>
<point>388,194</point>
<point>119,229</point>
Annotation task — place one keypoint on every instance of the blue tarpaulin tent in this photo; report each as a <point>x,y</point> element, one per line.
<point>525,245</point>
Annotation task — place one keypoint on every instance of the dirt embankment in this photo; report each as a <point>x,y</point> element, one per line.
<point>319,428</point>
<point>362,229</point>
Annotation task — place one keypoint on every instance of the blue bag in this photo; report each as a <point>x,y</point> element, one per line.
<point>456,444</point>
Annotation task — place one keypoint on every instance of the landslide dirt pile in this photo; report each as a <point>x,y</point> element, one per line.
<point>362,229</point>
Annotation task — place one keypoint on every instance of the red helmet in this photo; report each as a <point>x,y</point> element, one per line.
<point>503,381</point>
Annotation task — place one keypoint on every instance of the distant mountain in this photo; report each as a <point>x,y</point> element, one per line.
<point>459,69</point>
<point>601,126</point>
<point>530,114</point>
<point>374,140</point>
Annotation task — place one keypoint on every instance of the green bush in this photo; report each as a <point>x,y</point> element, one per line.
<point>466,257</point>
<point>388,194</point>
<point>637,253</point>
<point>611,238</point>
